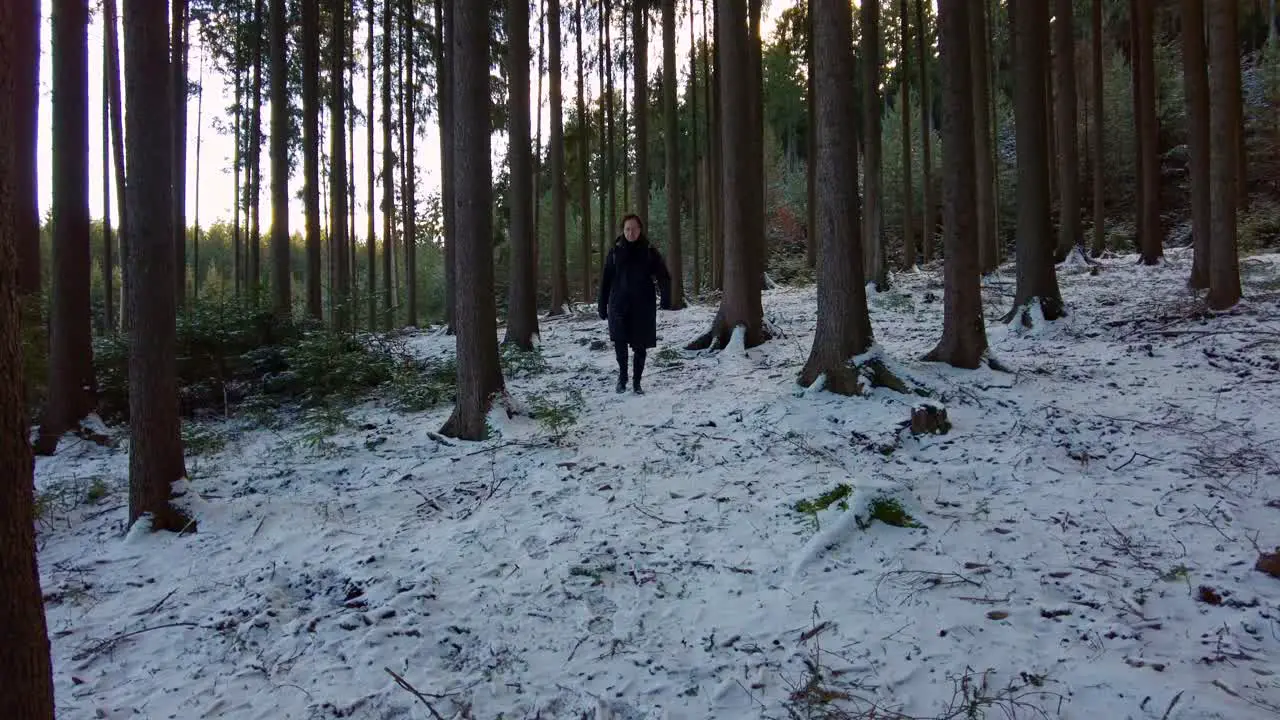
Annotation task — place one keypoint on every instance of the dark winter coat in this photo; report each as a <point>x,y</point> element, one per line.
<point>627,292</point>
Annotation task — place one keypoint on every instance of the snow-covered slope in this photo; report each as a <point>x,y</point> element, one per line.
<point>650,563</point>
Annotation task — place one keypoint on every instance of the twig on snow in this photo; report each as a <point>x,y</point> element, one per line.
<point>417,693</point>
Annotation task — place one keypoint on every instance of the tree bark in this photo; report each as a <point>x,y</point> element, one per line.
<point>26,676</point>
<point>71,378</point>
<point>26,35</point>
<point>559,261</point>
<point>812,241</point>
<point>410,198</point>
<point>311,153</point>
<point>155,453</point>
<point>695,199</point>
<point>1037,279</point>
<point>1152,233</point>
<point>1224,96</point>
<point>873,222</point>
<point>111,69</point>
<point>1195,80</point>
<point>844,325</point>
<point>254,248</point>
<point>338,167</point>
<point>108,256</point>
<point>1099,186</point>
<point>178,67</point>
<point>964,337</point>
<point>371,231</point>
<point>742,231</point>
<point>584,156</point>
<point>984,169</point>
<point>640,81</point>
<point>282,294</point>
<point>927,210</point>
<point>479,371</point>
<point>522,297</point>
<point>675,258</point>
<point>1065,112</point>
<point>904,112</point>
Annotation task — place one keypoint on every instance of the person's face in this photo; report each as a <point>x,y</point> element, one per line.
<point>631,230</point>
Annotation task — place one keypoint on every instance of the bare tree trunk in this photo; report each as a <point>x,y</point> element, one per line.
<point>1037,279</point>
<point>371,231</point>
<point>1151,232</point>
<point>984,169</point>
<point>1195,79</point>
<point>26,194</point>
<point>26,675</point>
<point>611,150</point>
<point>522,298</point>
<point>111,68</point>
<point>741,309</point>
<point>479,371</point>
<point>410,199</point>
<point>675,258</point>
<point>1099,185</point>
<point>311,154</point>
<point>927,210</point>
<point>237,163</point>
<point>254,277</point>
<point>389,168</point>
<point>964,337</point>
<point>338,167</point>
<point>584,155</point>
<point>1069,235</point>
<point>716,152</point>
<point>559,262</point>
<point>696,162</point>
<point>627,52</point>
<point>108,259</point>
<point>71,378</point>
<point>195,240</point>
<point>873,263</point>
<point>844,326</point>
<point>640,67</point>
<point>282,294</point>
<point>1224,175</point>
<point>155,452</point>
<point>178,67</point>
<point>904,111</point>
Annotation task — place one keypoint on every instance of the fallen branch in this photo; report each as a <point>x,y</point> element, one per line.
<point>417,693</point>
<point>109,643</point>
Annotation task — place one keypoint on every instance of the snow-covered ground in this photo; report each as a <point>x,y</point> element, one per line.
<point>650,563</point>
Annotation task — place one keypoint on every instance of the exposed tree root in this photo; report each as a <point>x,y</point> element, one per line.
<point>721,332</point>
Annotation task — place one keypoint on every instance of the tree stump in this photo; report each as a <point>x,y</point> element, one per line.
<point>929,419</point>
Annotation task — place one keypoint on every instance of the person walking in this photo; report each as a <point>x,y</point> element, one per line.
<point>631,269</point>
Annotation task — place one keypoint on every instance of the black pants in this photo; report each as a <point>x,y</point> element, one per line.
<point>620,350</point>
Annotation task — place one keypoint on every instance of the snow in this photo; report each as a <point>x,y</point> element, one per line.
<point>650,562</point>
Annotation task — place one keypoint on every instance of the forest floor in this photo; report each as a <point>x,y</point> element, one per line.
<point>1088,534</point>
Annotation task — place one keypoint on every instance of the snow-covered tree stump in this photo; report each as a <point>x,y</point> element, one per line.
<point>931,419</point>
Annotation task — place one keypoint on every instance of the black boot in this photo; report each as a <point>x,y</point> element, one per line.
<point>620,349</point>
<point>639,363</point>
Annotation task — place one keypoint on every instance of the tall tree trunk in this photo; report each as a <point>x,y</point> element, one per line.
<point>605,211</point>
<point>446,80</point>
<point>195,238</point>
<point>675,258</point>
<point>740,308</point>
<point>714,115</point>
<point>1195,80</point>
<point>237,160</point>
<point>410,197</point>
<point>844,326</point>
<point>522,298</point>
<point>559,262</point>
<point>611,151</point>
<point>584,155</point>
<point>627,52</point>
<point>155,453</point>
<point>311,154</point>
<point>1069,235</point>
<point>108,257</point>
<point>71,379</point>
<point>1037,279</point>
<point>479,371</point>
<point>873,221</point>
<point>1099,186</point>
<point>1151,232</point>
<point>904,111</point>
<point>338,167</point>
<point>984,168</point>
<point>178,67</point>
<point>695,200</point>
<point>254,276</point>
<point>640,79</point>
<point>964,337</point>
<point>389,167</point>
<point>371,231</point>
<point>759,256</point>
<point>26,194</point>
<point>111,69</point>
<point>26,675</point>
<point>812,241</point>
<point>282,294</point>
<point>1224,173</point>
<point>927,210</point>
